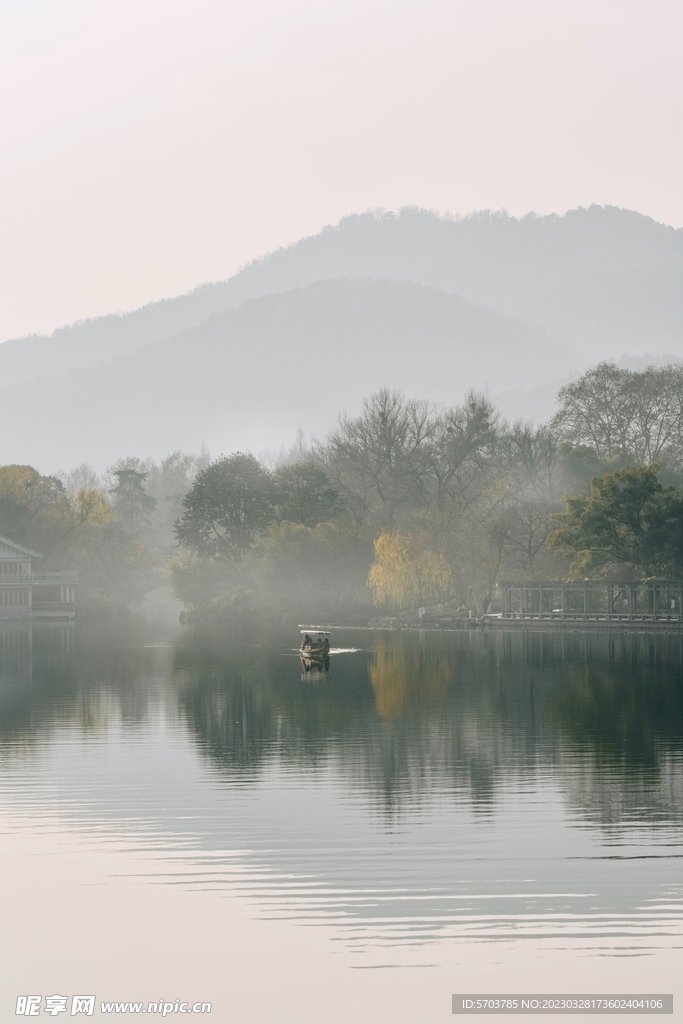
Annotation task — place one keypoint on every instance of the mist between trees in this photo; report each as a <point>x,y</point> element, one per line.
<point>405,505</point>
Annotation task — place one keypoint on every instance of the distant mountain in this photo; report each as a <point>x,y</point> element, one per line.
<point>249,377</point>
<point>605,280</point>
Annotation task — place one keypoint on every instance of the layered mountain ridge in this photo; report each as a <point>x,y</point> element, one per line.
<point>413,300</point>
<point>250,377</point>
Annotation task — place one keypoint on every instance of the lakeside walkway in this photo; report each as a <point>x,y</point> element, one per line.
<point>601,604</point>
<point>549,604</point>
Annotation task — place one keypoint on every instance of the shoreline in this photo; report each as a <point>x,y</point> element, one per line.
<point>525,625</point>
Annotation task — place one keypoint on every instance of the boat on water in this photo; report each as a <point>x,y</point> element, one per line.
<point>315,644</point>
<point>315,654</point>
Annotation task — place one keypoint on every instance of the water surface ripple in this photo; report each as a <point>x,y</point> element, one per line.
<point>468,785</point>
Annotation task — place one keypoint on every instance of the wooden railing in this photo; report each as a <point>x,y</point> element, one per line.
<point>54,577</point>
<point>593,600</point>
<point>18,579</point>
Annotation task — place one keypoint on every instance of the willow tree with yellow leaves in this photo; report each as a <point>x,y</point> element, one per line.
<point>407,571</point>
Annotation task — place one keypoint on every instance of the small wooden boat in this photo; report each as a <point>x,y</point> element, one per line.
<point>315,644</point>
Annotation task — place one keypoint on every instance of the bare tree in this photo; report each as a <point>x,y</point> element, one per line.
<point>625,412</point>
<point>379,460</point>
<point>461,448</point>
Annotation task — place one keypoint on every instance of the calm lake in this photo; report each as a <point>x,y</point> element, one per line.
<point>187,815</point>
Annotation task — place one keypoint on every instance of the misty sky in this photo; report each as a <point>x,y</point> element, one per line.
<point>150,145</point>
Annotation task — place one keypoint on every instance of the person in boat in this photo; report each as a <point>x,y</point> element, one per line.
<point>307,644</point>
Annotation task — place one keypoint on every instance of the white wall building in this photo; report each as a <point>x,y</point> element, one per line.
<point>26,594</point>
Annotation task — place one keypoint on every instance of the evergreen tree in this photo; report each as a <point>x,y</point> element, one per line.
<point>132,504</point>
<point>228,504</point>
<point>628,519</point>
<point>304,494</point>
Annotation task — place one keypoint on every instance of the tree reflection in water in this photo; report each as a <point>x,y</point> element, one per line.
<point>427,773</point>
<point>406,715</point>
<point>55,674</point>
<point>412,713</point>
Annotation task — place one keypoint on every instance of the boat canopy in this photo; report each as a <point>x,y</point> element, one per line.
<point>314,632</point>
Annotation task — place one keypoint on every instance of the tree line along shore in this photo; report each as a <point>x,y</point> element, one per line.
<point>403,506</point>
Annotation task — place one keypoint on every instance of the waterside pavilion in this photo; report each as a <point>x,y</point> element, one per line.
<point>25,594</point>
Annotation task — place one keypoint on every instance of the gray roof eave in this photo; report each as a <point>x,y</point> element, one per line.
<point>20,547</point>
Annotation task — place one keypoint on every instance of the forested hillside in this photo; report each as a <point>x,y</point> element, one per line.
<point>606,280</point>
